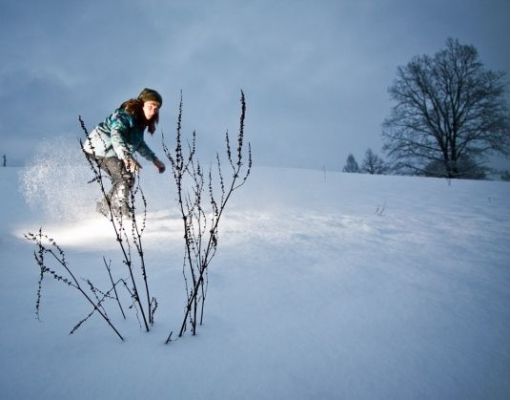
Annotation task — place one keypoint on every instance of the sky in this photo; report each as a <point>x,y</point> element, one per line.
<point>315,73</point>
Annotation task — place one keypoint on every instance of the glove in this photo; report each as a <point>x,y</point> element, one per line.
<point>158,164</point>
<point>131,164</point>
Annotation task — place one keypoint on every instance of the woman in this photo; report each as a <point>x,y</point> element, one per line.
<point>113,144</point>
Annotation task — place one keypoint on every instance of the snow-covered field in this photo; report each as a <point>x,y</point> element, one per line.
<point>325,286</point>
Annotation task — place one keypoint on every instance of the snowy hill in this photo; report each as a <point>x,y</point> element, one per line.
<point>325,286</point>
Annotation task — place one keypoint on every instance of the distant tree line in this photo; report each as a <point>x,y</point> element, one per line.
<point>371,164</point>
<point>450,115</point>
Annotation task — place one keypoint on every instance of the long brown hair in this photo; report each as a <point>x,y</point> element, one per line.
<point>135,108</point>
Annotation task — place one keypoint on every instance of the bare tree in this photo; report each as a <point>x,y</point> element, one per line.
<point>449,108</point>
<point>373,164</point>
<point>351,164</point>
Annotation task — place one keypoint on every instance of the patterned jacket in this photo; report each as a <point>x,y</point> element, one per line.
<point>118,136</point>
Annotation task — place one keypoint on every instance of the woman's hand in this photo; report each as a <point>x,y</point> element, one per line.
<point>131,164</point>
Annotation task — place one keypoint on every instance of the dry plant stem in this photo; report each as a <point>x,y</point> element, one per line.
<point>137,239</point>
<point>107,265</point>
<point>119,230</point>
<point>61,260</point>
<point>179,169</point>
<point>207,259</point>
<point>99,302</point>
<point>201,236</point>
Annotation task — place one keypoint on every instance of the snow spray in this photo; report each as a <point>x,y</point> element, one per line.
<point>55,181</point>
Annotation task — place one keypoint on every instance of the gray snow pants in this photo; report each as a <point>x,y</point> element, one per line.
<point>122,183</point>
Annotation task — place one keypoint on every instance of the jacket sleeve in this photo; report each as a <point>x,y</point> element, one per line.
<point>146,152</point>
<point>119,126</point>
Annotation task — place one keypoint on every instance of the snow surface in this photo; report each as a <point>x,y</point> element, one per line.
<point>325,286</point>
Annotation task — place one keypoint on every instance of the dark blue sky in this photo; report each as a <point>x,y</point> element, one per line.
<point>315,73</point>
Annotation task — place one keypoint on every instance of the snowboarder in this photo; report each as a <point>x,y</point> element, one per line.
<point>114,142</point>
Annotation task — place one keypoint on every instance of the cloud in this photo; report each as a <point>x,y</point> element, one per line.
<point>315,75</point>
